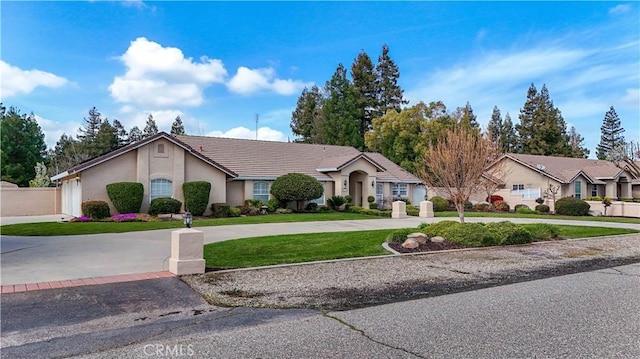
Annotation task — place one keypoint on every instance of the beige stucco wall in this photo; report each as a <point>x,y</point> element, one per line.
<point>197,170</point>
<point>235,193</point>
<point>94,180</point>
<point>30,201</point>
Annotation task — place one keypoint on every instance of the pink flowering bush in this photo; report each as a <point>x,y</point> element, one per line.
<point>80,219</point>
<point>130,217</point>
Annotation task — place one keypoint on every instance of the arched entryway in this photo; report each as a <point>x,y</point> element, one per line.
<point>357,191</point>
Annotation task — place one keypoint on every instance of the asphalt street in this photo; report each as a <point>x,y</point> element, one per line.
<point>42,259</point>
<point>585,315</point>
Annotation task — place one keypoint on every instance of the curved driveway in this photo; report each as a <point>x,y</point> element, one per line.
<point>42,259</point>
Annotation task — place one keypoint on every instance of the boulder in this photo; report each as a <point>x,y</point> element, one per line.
<point>421,238</point>
<point>437,239</point>
<point>410,243</point>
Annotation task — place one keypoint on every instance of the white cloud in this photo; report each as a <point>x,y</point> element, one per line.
<point>264,134</point>
<point>247,81</point>
<point>16,80</point>
<point>162,76</point>
<point>619,9</point>
<point>631,98</point>
<point>54,129</point>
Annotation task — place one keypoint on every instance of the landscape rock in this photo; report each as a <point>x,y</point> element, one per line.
<point>437,239</point>
<point>595,213</point>
<point>410,243</point>
<point>421,238</point>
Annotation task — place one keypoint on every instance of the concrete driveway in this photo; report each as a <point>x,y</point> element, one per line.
<point>42,259</point>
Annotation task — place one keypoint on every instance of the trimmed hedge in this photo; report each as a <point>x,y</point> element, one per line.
<point>221,210</point>
<point>439,204</point>
<point>126,196</point>
<point>543,208</point>
<point>164,205</point>
<point>196,196</point>
<point>97,210</point>
<point>296,187</point>
<point>571,206</point>
<point>501,206</point>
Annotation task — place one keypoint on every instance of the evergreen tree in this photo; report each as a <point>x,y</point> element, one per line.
<point>466,118</point>
<point>611,134</point>
<point>364,83</point>
<point>67,153</point>
<point>341,112</point>
<point>22,146</point>
<point>542,128</point>
<point>150,128</point>
<point>177,128</point>
<point>576,142</point>
<point>41,179</point>
<point>121,133</point>
<point>106,139</point>
<point>135,134</point>
<point>307,120</point>
<point>494,128</point>
<point>508,136</point>
<point>88,134</point>
<point>389,94</point>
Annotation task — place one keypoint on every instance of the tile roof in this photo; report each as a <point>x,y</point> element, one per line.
<point>565,169</point>
<point>270,159</point>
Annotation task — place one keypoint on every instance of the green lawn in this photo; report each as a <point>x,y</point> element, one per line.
<point>544,216</point>
<point>298,248</point>
<point>77,228</point>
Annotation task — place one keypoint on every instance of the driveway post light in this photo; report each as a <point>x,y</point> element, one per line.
<point>188,219</point>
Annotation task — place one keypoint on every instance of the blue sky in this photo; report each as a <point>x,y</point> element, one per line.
<point>218,64</point>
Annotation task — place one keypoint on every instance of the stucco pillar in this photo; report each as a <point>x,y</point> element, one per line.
<point>187,247</point>
<point>426,209</point>
<point>399,209</point>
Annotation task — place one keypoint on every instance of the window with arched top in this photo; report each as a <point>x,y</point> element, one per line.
<point>159,188</point>
<point>261,191</point>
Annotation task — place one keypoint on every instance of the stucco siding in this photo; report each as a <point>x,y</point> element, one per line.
<point>197,170</point>
<point>30,201</point>
<point>235,193</point>
<point>95,179</point>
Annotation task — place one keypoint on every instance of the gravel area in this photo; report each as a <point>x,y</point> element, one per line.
<point>342,285</point>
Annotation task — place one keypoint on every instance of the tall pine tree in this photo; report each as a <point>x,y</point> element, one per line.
<point>494,128</point>
<point>611,134</point>
<point>576,143</point>
<point>22,146</point>
<point>135,134</point>
<point>307,120</point>
<point>508,136</point>
<point>389,93</point>
<point>341,112</point>
<point>364,84</point>
<point>177,128</point>
<point>150,128</point>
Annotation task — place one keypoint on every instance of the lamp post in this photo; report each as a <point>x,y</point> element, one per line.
<point>188,219</point>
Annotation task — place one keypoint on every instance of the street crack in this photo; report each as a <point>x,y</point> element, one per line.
<point>362,332</point>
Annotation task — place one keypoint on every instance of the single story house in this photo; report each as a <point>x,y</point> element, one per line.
<point>237,170</point>
<point>531,175</point>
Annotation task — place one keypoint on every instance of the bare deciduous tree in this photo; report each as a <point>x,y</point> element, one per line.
<point>626,157</point>
<point>456,163</point>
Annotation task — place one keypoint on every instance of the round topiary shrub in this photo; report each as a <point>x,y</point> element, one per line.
<point>570,206</point>
<point>126,196</point>
<point>543,208</point>
<point>196,196</point>
<point>234,212</point>
<point>220,210</point>
<point>439,204</point>
<point>482,207</point>
<point>518,206</point>
<point>164,205</point>
<point>97,210</point>
<point>296,187</point>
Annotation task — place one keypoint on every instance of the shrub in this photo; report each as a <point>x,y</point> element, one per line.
<point>571,206</point>
<point>220,210</point>
<point>248,210</point>
<point>126,196</point>
<point>504,233</point>
<point>501,206</point>
<point>253,203</point>
<point>543,208</point>
<point>439,228</point>
<point>325,209</point>
<point>439,204</point>
<point>413,211</point>
<point>399,235</point>
<point>373,205</point>
<point>494,198</point>
<point>274,204</point>
<point>482,207</point>
<point>525,210</point>
<point>296,187</point>
<point>164,205</point>
<point>543,231</point>
<point>371,199</point>
<point>518,206</point>
<point>335,202</point>
<point>468,206</point>
<point>311,206</point>
<point>130,217</point>
<point>196,196</point>
<point>470,234</point>
<point>594,198</point>
<point>96,210</point>
<point>234,212</point>
<point>355,209</point>
<point>284,211</point>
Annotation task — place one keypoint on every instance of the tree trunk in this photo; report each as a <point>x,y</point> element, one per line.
<point>460,209</point>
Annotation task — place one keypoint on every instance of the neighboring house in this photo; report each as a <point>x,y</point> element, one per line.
<point>531,175</point>
<point>237,170</point>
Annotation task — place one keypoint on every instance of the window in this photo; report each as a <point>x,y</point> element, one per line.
<point>399,190</point>
<point>160,188</point>
<point>517,187</point>
<point>594,190</point>
<point>261,191</point>
<point>577,189</point>
<point>319,200</point>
